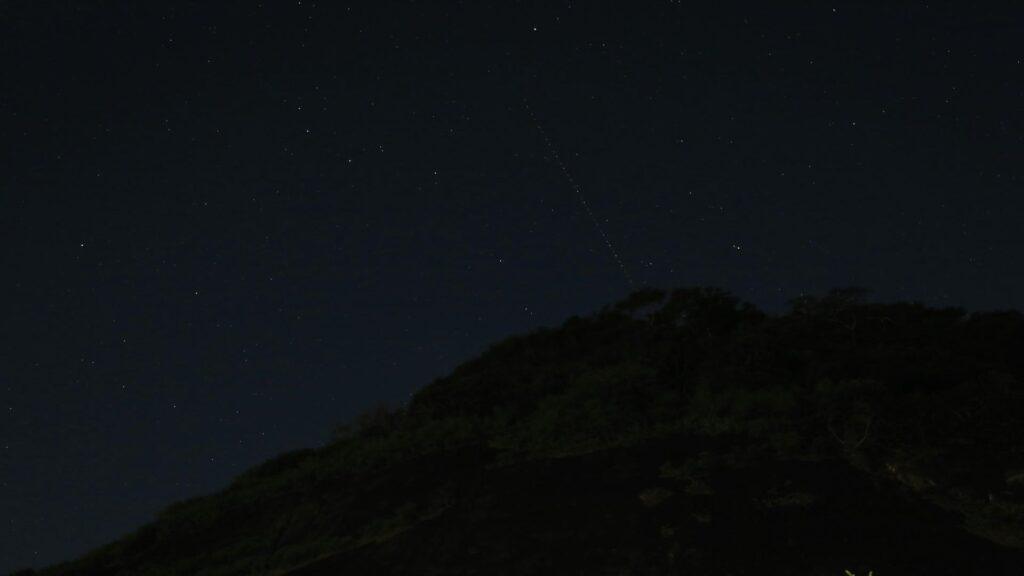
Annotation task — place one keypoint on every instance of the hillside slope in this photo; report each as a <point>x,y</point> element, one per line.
<point>670,433</point>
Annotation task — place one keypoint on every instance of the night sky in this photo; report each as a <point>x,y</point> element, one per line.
<point>228,227</point>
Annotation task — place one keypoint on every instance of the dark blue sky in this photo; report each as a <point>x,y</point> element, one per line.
<point>227,227</point>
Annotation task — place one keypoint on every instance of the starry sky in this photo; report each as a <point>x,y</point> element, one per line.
<point>228,227</point>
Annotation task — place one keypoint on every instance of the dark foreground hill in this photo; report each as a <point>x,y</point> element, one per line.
<point>679,433</point>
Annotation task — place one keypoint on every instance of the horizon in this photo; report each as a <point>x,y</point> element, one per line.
<point>230,228</point>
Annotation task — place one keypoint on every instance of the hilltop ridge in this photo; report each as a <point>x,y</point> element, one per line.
<point>673,432</point>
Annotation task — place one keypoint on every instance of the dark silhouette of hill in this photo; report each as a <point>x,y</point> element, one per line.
<point>670,433</point>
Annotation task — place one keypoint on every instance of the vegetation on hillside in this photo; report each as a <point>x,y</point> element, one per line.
<point>924,400</point>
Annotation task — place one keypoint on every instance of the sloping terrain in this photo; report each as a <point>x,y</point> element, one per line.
<point>671,433</point>
<point>632,511</point>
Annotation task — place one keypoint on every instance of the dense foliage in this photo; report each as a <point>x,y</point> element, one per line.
<point>924,396</point>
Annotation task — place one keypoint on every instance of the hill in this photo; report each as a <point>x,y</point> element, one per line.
<point>680,432</point>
